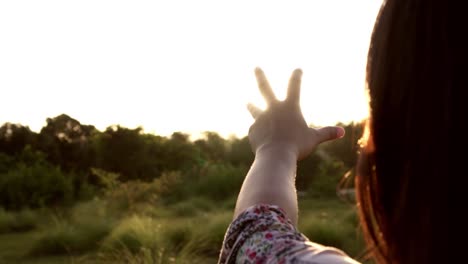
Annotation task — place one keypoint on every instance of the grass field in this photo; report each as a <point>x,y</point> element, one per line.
<point>189,231</point>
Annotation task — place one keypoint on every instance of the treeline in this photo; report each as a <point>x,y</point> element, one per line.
<point>69,161</point>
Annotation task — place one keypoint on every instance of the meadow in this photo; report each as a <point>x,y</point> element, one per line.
<point>125,196</point>
<point>189,231</point>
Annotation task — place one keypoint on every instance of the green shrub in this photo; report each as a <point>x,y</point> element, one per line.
<point>218,181</point>
<point>6,162</point>
<point>324,184</point>
<point>6,221</point>
<point>26,220</point>
<point>202,203</point>
<point>35,186</point>
<point>214,182</point>
<point>172,186</point>
<point>324,232</point>
<point>91,210</point>
<point>191,207</point>
<point>21,221</point>
<point>183,209</point>
<point>129,195</point>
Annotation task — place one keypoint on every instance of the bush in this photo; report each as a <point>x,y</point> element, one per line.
<point>90,211</point>
<point>6,221</point>
<point>6,162</point>
<point>323,232</point>
<point>25,220</point>
<point>126,196</point>
<point>183,209</point>
<point>324,184</point>
<point>215,182</point>
<point>171,186</point>
<point>191,207</point>
<point>21,221</point>
<point>218,181</point>
<point>35,186</point>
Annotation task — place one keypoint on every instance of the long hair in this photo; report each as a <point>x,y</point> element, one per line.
<point>417,83</point>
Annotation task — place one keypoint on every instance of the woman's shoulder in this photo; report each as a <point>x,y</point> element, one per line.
<point>263,234</point>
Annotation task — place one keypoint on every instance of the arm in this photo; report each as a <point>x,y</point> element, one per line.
<point>279,138</point>
<point>271,180</point>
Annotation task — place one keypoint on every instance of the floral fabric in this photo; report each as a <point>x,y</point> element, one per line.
<point>263,234</point>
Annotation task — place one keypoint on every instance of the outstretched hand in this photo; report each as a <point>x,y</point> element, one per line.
<point>282,124</point>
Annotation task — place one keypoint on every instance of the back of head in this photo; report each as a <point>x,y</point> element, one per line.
<point>418,88</point>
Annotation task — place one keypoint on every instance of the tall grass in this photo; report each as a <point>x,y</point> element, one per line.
<point>207,235</point>
<point>82,230</point>
<point>192,207</point>
<point>21,221</point>
<point>141,239</point>
<point>133,234</point>
<point>67,238</point>
<point>180,217</point>
<point>332,224</point>
<point>6,221</point>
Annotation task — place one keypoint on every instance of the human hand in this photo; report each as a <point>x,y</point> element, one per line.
<point>282,125</point>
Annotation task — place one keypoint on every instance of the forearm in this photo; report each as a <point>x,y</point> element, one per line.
<point>271,180</point>
<point>279,136</point>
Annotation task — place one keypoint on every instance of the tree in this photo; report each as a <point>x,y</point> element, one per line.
<point>240,152</point>
<point>121,150</point>
<point>67,142</point>
<point>213,146</point>
<point>14,137</point>
<point>346,148</point>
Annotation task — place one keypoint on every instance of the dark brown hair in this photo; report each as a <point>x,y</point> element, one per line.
<point>417,84</point>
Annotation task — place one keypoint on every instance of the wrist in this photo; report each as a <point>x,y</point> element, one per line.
<point>281,151</point>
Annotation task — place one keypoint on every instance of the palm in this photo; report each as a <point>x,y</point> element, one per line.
<point>282,122</point>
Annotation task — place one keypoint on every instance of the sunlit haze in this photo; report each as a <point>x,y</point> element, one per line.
<point>180,65</point>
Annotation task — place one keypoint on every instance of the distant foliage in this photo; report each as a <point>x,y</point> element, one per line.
<point>14,137</point>
<point>35,185</point>
<point>32,182</point>
<point>68,160</point>
<point>125,196</point>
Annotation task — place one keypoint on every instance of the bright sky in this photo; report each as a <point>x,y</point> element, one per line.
<point>180,65</point>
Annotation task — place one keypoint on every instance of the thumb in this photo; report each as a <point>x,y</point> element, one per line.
<point>329,133</point>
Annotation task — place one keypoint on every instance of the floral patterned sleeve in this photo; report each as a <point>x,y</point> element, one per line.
<point>263,234</point>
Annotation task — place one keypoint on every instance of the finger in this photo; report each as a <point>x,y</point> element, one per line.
<point>329,133</point>
<point>264,86</point>
<point>294,87</point>
<point>254,111</point>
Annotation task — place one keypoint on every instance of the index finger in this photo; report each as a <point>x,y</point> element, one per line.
<point>264,86</point>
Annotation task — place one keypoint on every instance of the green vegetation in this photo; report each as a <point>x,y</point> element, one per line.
<point>73,194</point>
<point>20,221</point>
